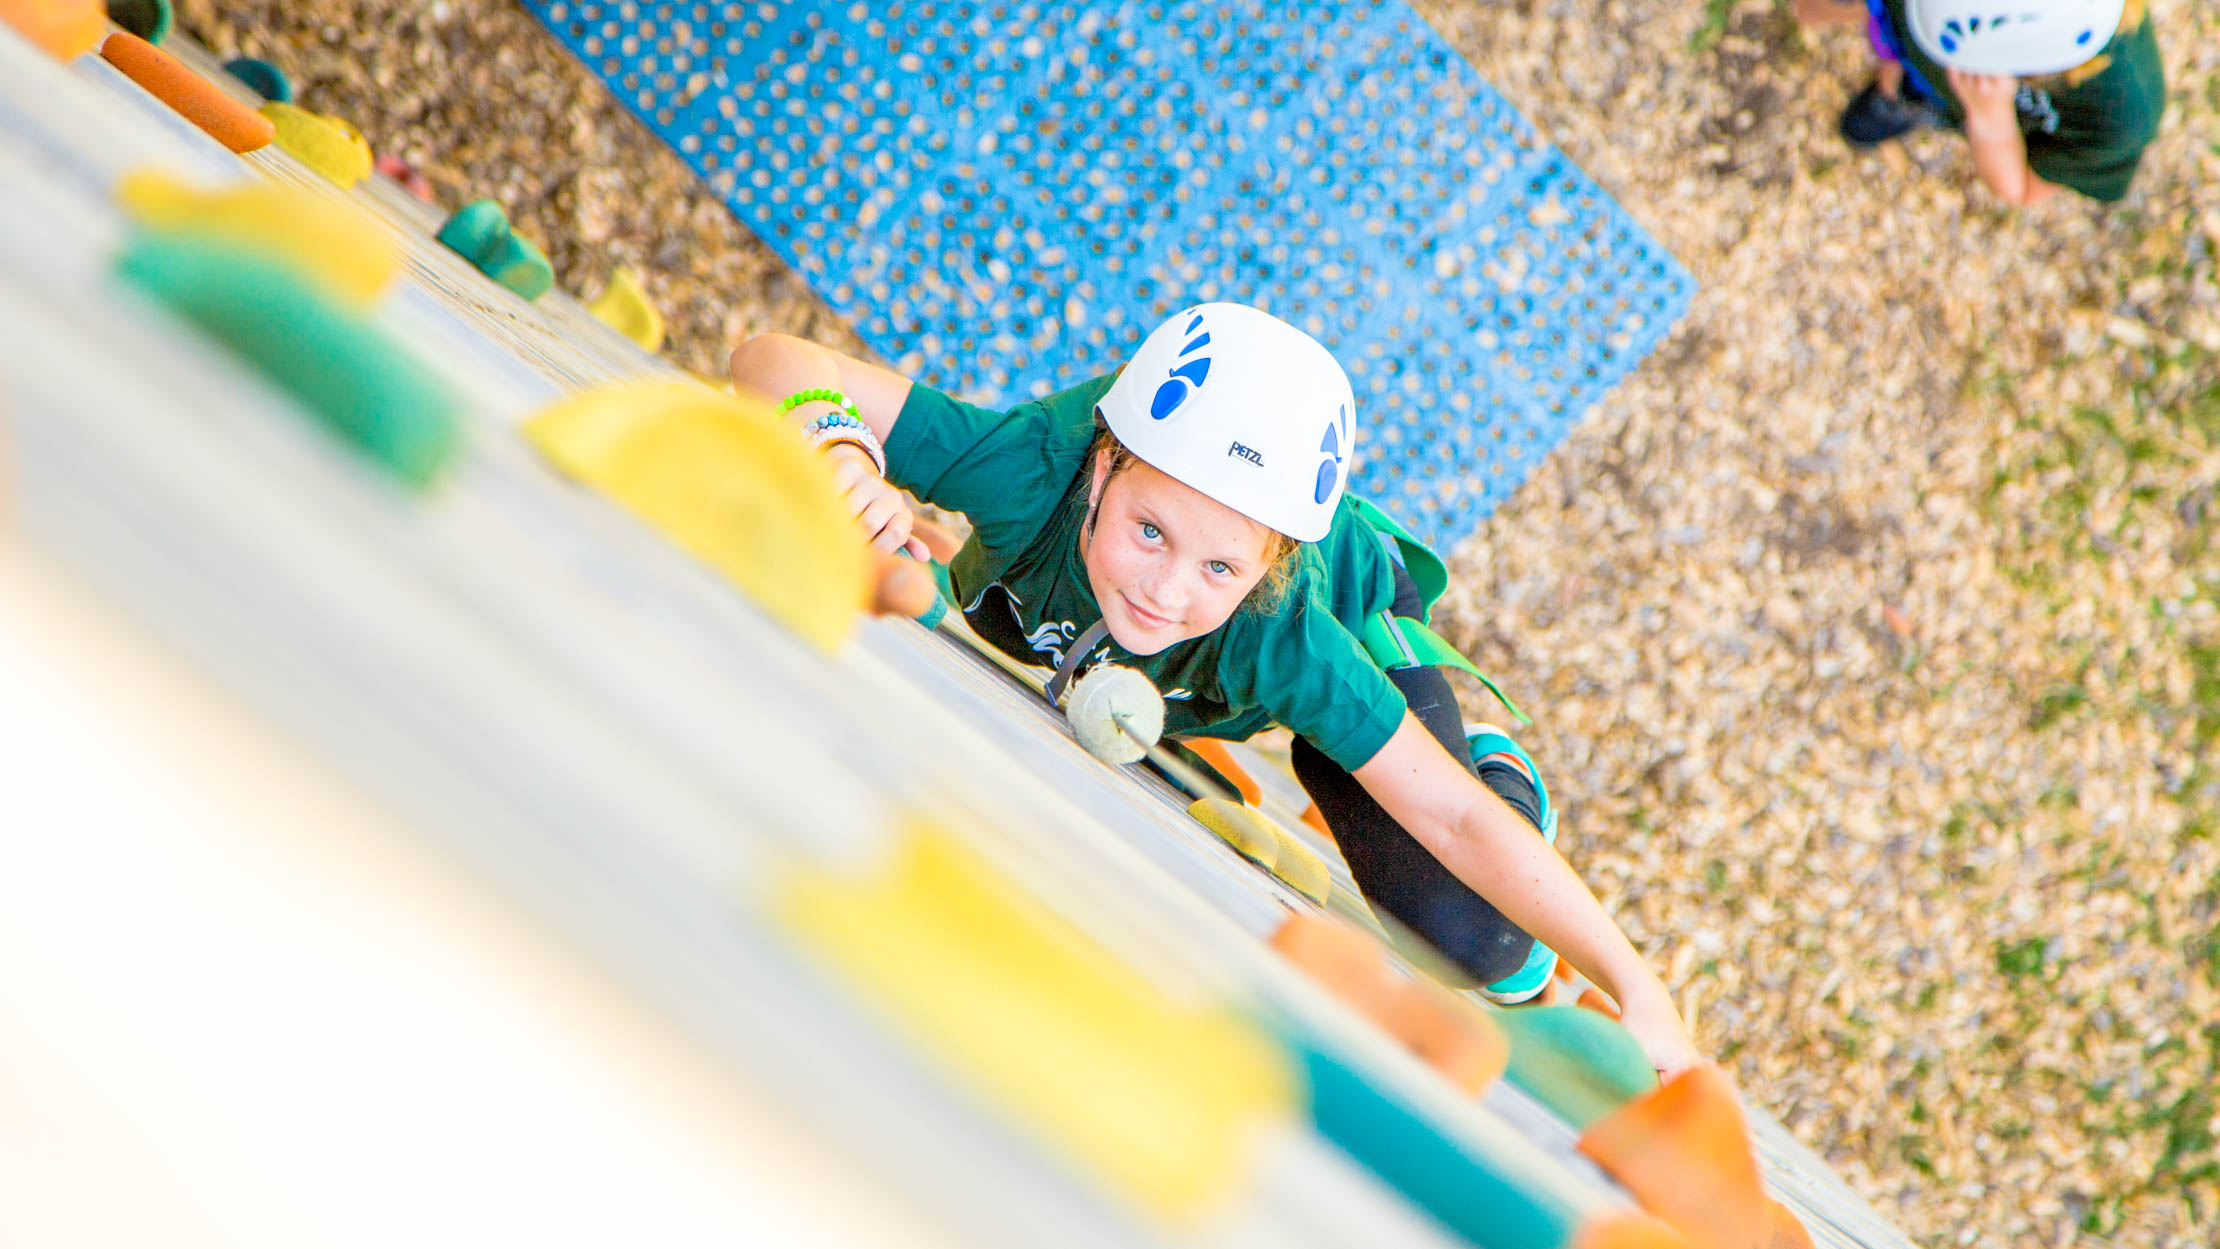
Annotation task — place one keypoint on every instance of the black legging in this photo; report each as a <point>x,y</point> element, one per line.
<point>1396,874</point>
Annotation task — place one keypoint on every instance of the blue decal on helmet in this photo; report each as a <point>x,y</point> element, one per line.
<point>1168,398</point>
<point>1330,447</point>
<point>1186,379</point>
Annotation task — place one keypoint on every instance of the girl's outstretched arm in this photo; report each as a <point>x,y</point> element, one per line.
<point>774,366</point>
<point>1487,846</point>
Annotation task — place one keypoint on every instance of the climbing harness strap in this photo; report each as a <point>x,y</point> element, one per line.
<point>1403,642</point>
<point>1400,642</point>
<point>1069,665</point>
<point>1427,570</point>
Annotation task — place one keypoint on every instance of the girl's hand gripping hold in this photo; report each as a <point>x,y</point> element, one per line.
<point>1650,1016</point>
<point>878,506</point>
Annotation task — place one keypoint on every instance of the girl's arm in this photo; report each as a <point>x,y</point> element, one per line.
<point>1993,134</point>
<point>1487,846</point>
<point>774,366</point>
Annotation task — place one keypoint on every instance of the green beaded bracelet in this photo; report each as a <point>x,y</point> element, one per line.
<point>817,394</point>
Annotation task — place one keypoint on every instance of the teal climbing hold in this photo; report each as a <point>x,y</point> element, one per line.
<point>148,19</point>
<point>514,262</point>
<point>1480,1199</point>
<point>480,233</point>
<point>473,228</point>
<point>944,593</point>
<point>1577,1062</point>
<point>265,79</point>
<point>330,359</point>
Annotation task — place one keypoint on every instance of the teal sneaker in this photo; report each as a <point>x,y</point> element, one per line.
<point>1528,982</point>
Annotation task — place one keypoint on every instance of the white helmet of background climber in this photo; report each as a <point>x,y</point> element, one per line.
<point>1244,407</point>
<point>2018,37</point>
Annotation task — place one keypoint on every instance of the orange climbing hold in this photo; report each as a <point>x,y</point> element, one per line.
<point>1684,1152</point>
<point>1215,754</point>
<point>1316,819</point>
<point>900,587</point>
<point>1598,1001</point>
<point>196,99</point>
<point>1343,961</point>
<point>1444,1032</point>
<point>1450,1035</point>
<point>1788,1230</point>
<point>939,543</point>
<point>66,29</point>
<point>1628,1230</point>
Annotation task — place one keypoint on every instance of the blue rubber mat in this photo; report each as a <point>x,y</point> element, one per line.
<point>1004,197</point>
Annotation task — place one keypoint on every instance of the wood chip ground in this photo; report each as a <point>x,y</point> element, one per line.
<point>1871,624</point>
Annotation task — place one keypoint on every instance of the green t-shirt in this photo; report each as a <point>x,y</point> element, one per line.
<point>1019,477</point>
<point>2087,135</point>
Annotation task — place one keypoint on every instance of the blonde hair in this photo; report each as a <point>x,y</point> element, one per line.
<point>1281,553</point>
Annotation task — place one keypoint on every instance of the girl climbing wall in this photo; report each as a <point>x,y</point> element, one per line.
<point>1188,517</point>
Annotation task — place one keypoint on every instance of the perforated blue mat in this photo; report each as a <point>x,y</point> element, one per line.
<point>1004,197</point>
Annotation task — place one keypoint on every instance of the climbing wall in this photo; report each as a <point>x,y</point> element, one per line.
<point>1004,197</point>
<point>1027,994</point>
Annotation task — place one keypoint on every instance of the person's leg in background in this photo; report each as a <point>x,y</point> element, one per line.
<point>1882,111</point>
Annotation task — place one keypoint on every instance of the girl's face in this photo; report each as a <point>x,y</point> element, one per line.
<point>1167,562</point>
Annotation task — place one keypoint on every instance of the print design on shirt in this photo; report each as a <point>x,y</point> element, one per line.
<point>981,597</point>
<point>1051,639</point>
<point>2036,111</point>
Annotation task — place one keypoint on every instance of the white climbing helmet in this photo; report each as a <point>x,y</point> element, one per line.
<point>1245,408</point>
<point>2019,37</point>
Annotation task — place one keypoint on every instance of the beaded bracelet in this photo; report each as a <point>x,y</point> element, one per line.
<point>836,428</point>
<point>820,394</point>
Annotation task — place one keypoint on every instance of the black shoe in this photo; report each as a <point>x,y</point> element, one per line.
<point>1875,117</point>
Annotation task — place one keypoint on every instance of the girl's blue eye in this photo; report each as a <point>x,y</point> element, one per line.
<point>1148,531</point>
<point>1221,567</point>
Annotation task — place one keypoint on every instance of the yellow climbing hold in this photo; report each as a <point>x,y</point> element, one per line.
<point>1244,828</point>
<point>1302,870</point>
<point>329,145</point>
<point>1260,839</point>
<point>333,244</point>
<point>624,307</point>
<point>729,482</point>
<point>1159,1099</point>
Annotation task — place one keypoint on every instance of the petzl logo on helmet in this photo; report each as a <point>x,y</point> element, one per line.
<point>1187,375</point>
<point>1334,447</point>
<point>1251,454</point>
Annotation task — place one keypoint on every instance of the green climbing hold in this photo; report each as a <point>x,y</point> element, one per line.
<point>1578,1062</point>
<point>265,79</point>
<point>480,233</point>
<point>148,19</point>
<point>330,359</point>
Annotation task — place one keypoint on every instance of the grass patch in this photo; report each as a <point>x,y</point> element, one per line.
<point>1712,28</point>
<point>2017,960</point>
<point>2055,705</point>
